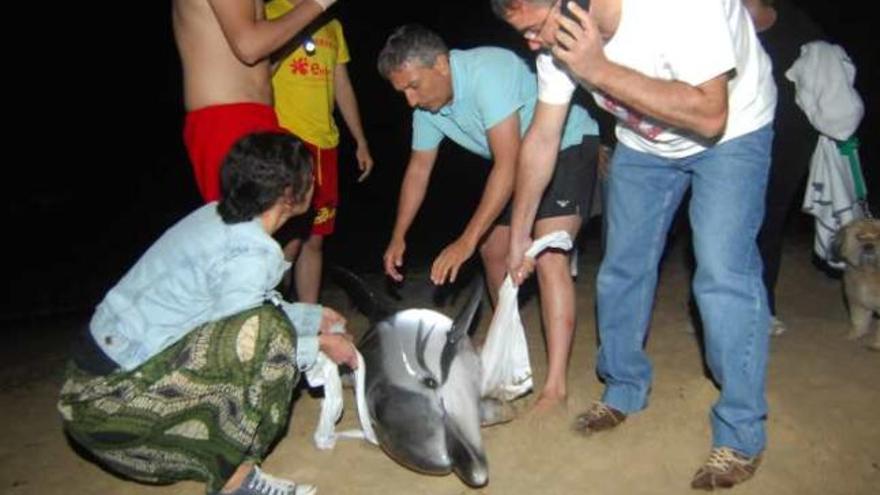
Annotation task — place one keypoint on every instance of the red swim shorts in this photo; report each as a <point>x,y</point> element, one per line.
<point>326,195</point>
<point>210,132</point>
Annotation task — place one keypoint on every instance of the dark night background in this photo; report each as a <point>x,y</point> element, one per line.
<point>107,175</point>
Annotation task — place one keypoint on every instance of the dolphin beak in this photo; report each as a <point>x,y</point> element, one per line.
<point>468,462</point>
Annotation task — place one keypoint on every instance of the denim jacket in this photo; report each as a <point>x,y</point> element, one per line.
<point>200,270</point>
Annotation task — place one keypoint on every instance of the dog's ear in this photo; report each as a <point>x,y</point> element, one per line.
<point>836,247</point>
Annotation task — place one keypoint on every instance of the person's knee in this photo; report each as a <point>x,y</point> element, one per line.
<point>614,278</point>
<point>730,259</point>
<point>493,254</point>
<point>273,325</point>
<point>314,244</point>
<point>553,265</point>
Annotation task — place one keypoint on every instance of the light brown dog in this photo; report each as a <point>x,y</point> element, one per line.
<point>858,244</point>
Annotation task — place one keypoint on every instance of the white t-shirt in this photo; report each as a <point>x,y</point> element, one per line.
<point>554,84</point>
<point>691,41</point>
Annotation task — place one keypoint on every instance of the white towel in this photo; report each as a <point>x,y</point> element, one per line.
<point>823,76</point>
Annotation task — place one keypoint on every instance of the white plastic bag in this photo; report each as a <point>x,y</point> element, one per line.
<point>507,371</point>
<point>326,373</point>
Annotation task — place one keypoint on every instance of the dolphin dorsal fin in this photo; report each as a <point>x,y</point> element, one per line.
<point>460,327</point>
<point>462,322</point>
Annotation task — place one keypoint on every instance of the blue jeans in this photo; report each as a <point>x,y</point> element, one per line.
<point>726,209</point>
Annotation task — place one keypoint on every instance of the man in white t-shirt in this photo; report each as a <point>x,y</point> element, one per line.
<point>693,95</point>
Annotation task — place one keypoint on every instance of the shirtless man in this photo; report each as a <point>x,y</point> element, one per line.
<point>225,46</point>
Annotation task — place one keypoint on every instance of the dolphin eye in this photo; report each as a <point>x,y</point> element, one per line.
<point>429,382</point>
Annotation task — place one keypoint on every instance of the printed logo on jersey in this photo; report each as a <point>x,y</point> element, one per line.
<point>630,119</point>
<point>314,66</point>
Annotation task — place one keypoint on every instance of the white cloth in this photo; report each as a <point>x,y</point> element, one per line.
<point>555,85</point>
<point>830,197</point>
<point>325,374</point>
<point>823,77</point>
<point>507,371</point>
<point>691,41</point>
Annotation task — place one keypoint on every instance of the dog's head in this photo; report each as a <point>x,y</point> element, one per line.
<point>858,244</point>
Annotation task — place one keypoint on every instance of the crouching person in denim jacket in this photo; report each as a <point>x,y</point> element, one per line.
<point>187,369</point>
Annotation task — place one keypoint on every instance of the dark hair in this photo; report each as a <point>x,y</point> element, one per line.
<point>409,43</point>
<point>256,172</point>
<point>502,7</point>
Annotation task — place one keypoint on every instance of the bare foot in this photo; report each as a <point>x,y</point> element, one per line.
<point>547,403</point>
<point>546,407</point>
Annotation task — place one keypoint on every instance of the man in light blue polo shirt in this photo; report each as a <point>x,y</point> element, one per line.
<point>484,99</point>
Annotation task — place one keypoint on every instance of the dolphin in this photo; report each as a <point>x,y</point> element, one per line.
<point>422,385</point>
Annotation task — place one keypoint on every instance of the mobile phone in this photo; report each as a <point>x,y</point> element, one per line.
<point>584,4</point>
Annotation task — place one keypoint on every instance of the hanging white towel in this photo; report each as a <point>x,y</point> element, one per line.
<point>823,76</point>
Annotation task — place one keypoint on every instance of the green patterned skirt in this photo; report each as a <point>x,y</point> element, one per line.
<point>217,398</point>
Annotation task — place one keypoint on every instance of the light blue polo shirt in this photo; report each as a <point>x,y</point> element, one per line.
<point>488,85</point>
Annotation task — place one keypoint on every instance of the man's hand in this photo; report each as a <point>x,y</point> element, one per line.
<point>325,4</point>
<point>334,341</point>
<point>393,259</point>
<point>519,265</point>
<point>579,45</point>
<point>331,322</point>
<point>339,348</point>
<point>365,161</point>
<point>446,265</point>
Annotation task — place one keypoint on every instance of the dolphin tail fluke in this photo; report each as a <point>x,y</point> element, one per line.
<point>374,305</point>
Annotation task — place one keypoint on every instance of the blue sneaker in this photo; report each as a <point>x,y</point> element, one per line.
<point>259,483</point>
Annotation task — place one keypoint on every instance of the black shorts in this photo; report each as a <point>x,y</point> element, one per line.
<point>570,191</point>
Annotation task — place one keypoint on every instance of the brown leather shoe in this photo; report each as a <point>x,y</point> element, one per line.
<point>724,469</point>
<point>598,417</point>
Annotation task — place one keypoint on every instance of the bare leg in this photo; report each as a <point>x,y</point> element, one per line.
<point>307,270</point>
<point>291,249</point>
<point>493,251</point>
<point>557,312</point>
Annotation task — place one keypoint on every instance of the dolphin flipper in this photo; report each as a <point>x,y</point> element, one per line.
<point>495,412</point>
